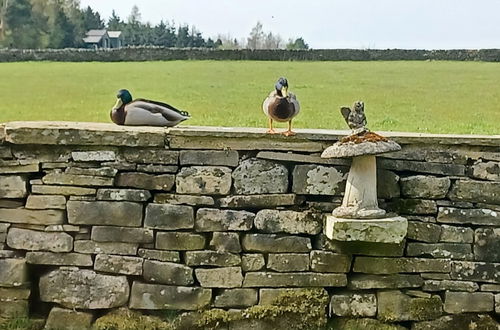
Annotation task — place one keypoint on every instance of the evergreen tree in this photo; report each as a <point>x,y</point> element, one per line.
<point>210,43</point>
<point>298,43</point>
<point>218,43</point>
<point>92,20</point>
<point>183,39</point>
<point>20,25</point>
<point>62,33</point>
<point>164,35</point>
<point>115,23</point>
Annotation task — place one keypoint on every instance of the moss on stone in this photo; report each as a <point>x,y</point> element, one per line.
<point>124,319</point>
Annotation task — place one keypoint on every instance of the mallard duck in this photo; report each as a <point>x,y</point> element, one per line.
<point>281,106</point>
<point>142,112</point>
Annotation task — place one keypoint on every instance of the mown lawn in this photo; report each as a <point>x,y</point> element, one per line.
<point>437,97</point>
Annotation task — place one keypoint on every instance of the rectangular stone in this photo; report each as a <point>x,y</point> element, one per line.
<point>41,202</point>
<point>269,296</point>
<point>453,234</point>
<point>33,217</point>
<point>29,168</point>
<point>449,285</point>
<point>476,271</point>
<point>192,200</point>
<point>4,227</point>
<point>169,256</point>
<point>475,191</point>
<point>466,302</point>
<point>157,168</point>
<point>118,264</point>
<point>126,214</point>
<point>161,297</point>
<point>62,190</point>
<point>212,258</point>
<point>288,262</point>
<point>275,243</point>
<point>291,222</point>
<point>252,262</point>
<point>306,279</point>
<point>59,259</point>
<point>12,294</point>
<point>421,167</point>
<point>76,180</point>
<point>11,203</point>
<point>23,239</point>
<point>91,247</point>
<point>353,305</point>
<point>302,158</point>
<point>96,172</point>
<point>394,306</point>
<point>482,217</point>
<point>121,234</point>
<point>329,262</point>
<point>204,157</point>
<point>204,180</point>
<point>413,206</point>
<point>179,241</point>
<point>151,156</point>
<point>167,273</point>
<point>490,287</point>
<point>13,186</point>
<point>169,217</point>
<point>145,181</point>
<point>14,309</point>
<point>225,242</point>
<point>131,195</point>
<point>13,272</point>
<point>400,265</point>
<point>423,231</point>
<point>260,201</point>
<point>396,281</point>
<point>458,251</point>
<point>94,156</point>
<point>236,298</point>
<point>360,248</point>
<point>225,277</point>
<point>223,220</point>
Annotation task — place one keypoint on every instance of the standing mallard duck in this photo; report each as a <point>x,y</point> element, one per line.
<point>281,106</point>
<point>141,112</point>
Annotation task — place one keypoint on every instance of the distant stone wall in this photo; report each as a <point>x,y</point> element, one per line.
<point>95,217</point>
<point>168,54</point>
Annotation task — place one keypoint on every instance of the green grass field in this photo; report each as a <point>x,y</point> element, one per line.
<point>437,97</point>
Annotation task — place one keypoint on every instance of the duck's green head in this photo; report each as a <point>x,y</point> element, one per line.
<point>123,97</point>
<point>282,87</point>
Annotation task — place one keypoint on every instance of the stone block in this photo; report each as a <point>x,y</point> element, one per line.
<point>62,190</point>
<point>83,289</point>
<point>360,248</point>
<point>423,231</point>
<point>252,262</point>
<point>91,247</point>
<point>475,191</point>
<point>13,272</point>
<point>303,279</point>
<point>59,259</point>
<point>394,306</point>
<point>487,244</point>
<point>475,271</point>
<point>497,303</point>
<point>450,285</point>
<point>268,296</point>
<point>212,258</point>
<point>318,180</point>
<point>94,156</point>
<point>481,217</point>
<point>57,178</point>
<point>125,214</point>
<point>467,302</point>
<point>291,222</point>
<point>421,186</point>
<point>12,294</point>
<point>330,262</point>
<point>121,234</point>
<point>459,322</point>
<point>453,234</point>
<point>209,157</point>
<point>353,305</point>
<point>15,169</point>
<point>151,156</point>
<point>92,171</point>
<point>255,176</point>
<point>387,184</point>
<point>130,195</point>
<point>145,181</point>
<point>69,319</point>
<point>412,206</point>
<point>169,256</point>
<point>362,323</point>
<point>179,241</point>
<point>204,180</point>
<point>225,242</point>
<point>457,251</point>
<point>13,186</point>
<point>23,239</point>
<point>421,167</point>
<point>160,297</point>
<point>226,277</point>
<point>275,243</point>
<point>118,264</point>
<point>11,203</point>
<point>288,262</point>
<point>169,217</point>
<point>486,171</point>
<point>396,281</point>
<point>236,298</point>
<point>167,273</point>
<point>372,265</point>
<point>33,217</point>
<point>42,202</point>
<point>490,287</point>
<point>223,220</point>
<point>192,200</point>
<point>14,309</point>
<point>158,169</point>
<point>259,201</point>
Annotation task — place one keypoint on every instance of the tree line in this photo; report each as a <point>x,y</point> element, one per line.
<point>30,24</point>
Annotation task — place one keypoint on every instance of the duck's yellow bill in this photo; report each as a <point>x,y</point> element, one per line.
<point>118,104</point>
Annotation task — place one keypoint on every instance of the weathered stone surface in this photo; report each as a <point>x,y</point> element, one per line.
<point>121,165</point>
<point>291,222</point>
<point>204,157</point>
<point>453,234</point>
<point>259,201</point>
<point>57,178</point>
<point>6,254</point>
<point>475,271</point>
<point>14,309</point>
<point>497,303</point>
<point>255,176</point>
<point>387,184</point>
<point>362,248</point>
<point>33,217</point>
<point>288,262</point>
<point>12,294</point>
<point>490,287</point>
<point>225,242</point>
<point>421,167</point>
<point>476,191</point>
<point>301,158</point>
<point>59,259</point>
<point>5,151</point>
<point>466,302</point>
<point>435,285</point>
<point>421,186</point>
<point>131,195</point>
<point>487,244</point>
<point>305,279</point>
<point>362,323</point>
<point>212,258</point>
<point>169,256</point>
<point>121,234</point>
<point>459,322</point>
<point>269,296</point>
<point>151,156</point>
<point>412,206</point>
<point>179,241</point>
<point>222,220</point>
<point>154,296</point>
<point>92,171</point>
<point>167,273</point>
<point>94,156</point>
<point>227,277</point>
<point>354,305</point>
<point>169,217</point>
<point>145,181</point>
<point>400,265</point>
<point>29,168</point>
<point>208,180</point>
<point>486,171</point>
<point>23,239</point>
<point>193,200</point>
<point>11,203</point>
<point>155,168</point>
<point>236,298</point>
<point>62,190</point>
<point>252,262</point>
<point>13,186</point>
<point>329,262</point>
<point>69,319</point>
<point>126,214</point>
<point>483,217</point>
<point>424,232</point>
<point>41,202</point>
<point>397,281</point>
<point>318,180</point>
<point>83,289</point>
<point>91,247</point>
<point>275,243</point>
<point>13,272</point>
<point>396,306</point>
<point>440,250</point>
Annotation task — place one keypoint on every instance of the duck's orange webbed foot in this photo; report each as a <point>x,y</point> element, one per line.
<point>289,133</point>
<point>271,131</point>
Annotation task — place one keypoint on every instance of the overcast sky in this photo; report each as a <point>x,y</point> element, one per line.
<point>429,24</point>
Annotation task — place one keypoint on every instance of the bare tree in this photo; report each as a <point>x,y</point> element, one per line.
<point>256,38</point>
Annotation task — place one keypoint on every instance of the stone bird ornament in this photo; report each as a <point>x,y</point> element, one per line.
<point>281,106</point>
<point>355,117</point>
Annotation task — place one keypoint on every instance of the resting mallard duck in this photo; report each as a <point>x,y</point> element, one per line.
<point>141,112</point>
<point>281,106</point>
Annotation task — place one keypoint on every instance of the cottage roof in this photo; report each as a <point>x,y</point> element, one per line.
<point>114,34</point>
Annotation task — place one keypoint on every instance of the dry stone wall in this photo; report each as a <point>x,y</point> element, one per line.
<point>95,217</point>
